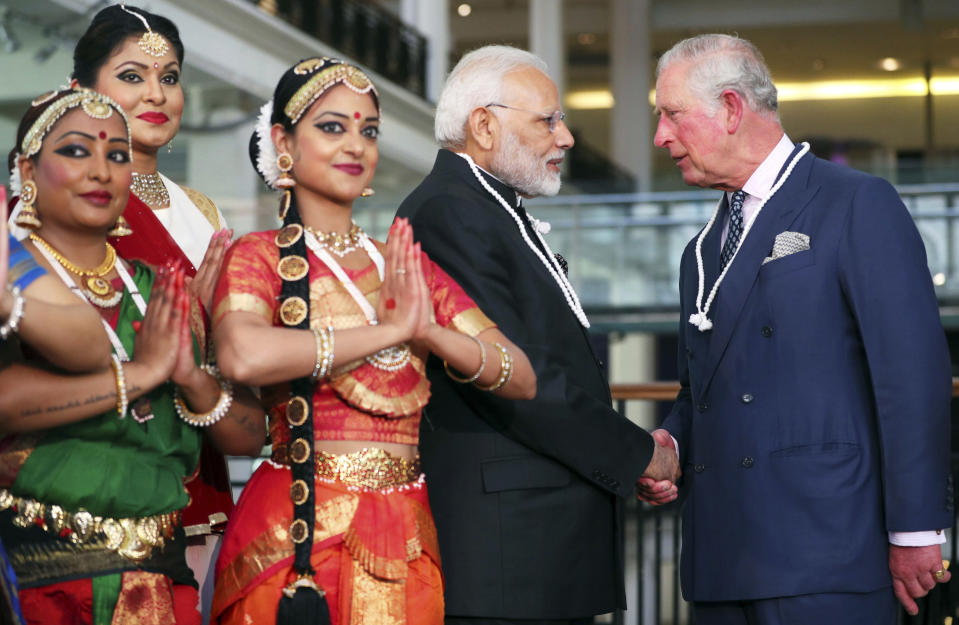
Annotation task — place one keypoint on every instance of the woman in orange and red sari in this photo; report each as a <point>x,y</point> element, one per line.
<point>335,328</point>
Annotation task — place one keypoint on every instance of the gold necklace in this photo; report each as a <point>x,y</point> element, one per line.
<point>339,244</point>
<point>94,285</point>
<point>150,189</point>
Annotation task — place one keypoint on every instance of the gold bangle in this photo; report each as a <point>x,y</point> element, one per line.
<point>505,371</point>
<point>324,353</point>
<point>223,402</point>
<point>478,371</point>
<point>122,402</point>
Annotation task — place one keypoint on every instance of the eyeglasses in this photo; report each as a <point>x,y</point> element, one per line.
<point>551,119</point>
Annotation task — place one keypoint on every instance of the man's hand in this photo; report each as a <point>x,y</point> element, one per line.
<point>914,572</point>
<point>665,462</point>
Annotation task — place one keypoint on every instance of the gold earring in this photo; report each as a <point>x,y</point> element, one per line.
<point>28,217</point>
<point>169,146</point>
<point>367,192</point>
<point>121,228</point>
<point>285,163</point>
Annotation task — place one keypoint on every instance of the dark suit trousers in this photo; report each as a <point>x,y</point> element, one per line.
<point>872,608</point>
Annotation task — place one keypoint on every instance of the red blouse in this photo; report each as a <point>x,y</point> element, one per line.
<point>359,401</point>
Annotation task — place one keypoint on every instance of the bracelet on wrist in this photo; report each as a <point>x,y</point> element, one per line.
<point>223,402</point>
<point>505,371</point>
<point>479,370</point>
<point>122,401</point>
<point>324,353</point>
<point>12,325</point>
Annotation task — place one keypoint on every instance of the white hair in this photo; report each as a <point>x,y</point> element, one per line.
<point>477,80</point>
<point>721,62</point>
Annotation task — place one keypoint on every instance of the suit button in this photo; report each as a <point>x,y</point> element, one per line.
<point>747,398</point>
<point>699,468</point>
<point>690,353</point>
<point>702,406</point>
<point>747,462</point>
<point>767,331</point>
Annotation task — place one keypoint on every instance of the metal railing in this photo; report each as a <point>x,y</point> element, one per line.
<point>363,30</point>
<point>624,249</point>
<point>656,531</point>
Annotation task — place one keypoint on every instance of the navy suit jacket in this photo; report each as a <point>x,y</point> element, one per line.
<point>814,417</point>
<point>527,495</point>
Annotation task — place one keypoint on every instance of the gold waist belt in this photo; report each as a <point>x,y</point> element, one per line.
<point>132,538</point>
<point>371,468</point>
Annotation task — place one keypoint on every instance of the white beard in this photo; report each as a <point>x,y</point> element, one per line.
<point>516,165</point>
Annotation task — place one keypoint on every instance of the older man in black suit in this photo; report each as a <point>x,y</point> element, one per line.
<point>527,495</point>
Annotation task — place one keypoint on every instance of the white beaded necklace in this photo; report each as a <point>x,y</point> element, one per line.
<point>699,318</point>
<point>551,264</point>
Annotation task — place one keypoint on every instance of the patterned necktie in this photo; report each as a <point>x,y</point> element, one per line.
<point>735,228</point>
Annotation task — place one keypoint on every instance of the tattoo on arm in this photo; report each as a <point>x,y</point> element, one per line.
<point>73,403</point>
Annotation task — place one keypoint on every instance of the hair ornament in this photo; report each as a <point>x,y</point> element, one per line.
<point>266,152</point>
<point>328,73</point>
<point>16,182</point>
<point>310,65</point>
<point>152,43</point>
<point>95,105</point>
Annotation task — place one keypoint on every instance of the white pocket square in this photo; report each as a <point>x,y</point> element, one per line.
<point>788,243</point>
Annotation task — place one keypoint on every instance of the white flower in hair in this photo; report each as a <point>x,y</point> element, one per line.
<point>266,156</point>
<point>15,181</point>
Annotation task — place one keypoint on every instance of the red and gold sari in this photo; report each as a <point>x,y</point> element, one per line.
<point>374,544</point>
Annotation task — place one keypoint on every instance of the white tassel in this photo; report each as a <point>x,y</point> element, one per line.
<point>542,227</point>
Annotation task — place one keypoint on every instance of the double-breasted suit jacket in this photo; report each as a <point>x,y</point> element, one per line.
<point>527,495</point>
<point>813,416</point>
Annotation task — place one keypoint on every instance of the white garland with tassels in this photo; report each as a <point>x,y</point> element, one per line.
<point>700,318</point>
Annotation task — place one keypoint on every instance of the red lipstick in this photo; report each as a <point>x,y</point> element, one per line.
<point>154,118</point>
<point>353,169</point>
<point>100,198</point>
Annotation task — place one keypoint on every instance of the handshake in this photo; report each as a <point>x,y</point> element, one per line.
<point>657,486</point>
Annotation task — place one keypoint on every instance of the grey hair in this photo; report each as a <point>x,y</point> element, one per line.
<point>477,80</point>
<point>721,62</point>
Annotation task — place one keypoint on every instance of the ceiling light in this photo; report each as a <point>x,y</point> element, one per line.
<point>939,279</point>
<point>591,99</point>
<point>890,64</point>
<point>464,9</point>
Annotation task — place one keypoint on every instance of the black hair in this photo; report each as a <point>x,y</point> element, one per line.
<point>293,609</point>
<point>107,32</point>
<point>29,117</point>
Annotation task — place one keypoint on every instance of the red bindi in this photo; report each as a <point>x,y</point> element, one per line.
<point>156,65</point>
<point>103,135</point>
<point>356,115</point>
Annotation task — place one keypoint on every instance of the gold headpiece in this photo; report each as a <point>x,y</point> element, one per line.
<point>96,105</point>
<point>152,44</point>
<point>327,73</point>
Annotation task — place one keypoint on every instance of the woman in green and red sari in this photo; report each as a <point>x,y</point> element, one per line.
<point>93,465</point>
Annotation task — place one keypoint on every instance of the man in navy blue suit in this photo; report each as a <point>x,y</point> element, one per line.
<point>813,418</point>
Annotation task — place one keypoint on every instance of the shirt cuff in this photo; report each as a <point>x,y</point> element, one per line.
<point>917,539</point>
<point>676,445</point>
